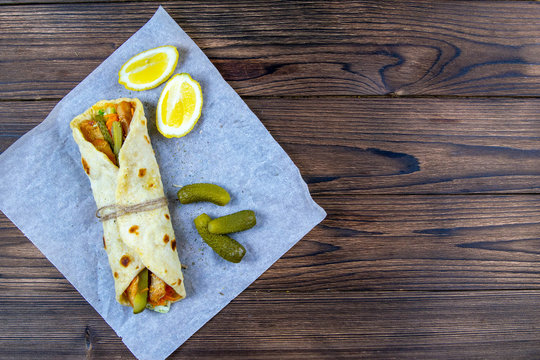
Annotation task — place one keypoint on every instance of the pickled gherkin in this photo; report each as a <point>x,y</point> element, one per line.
<point>139,302</point>
<point>117,137</point>
<point>223,245</point>
<point>103,128</point>
<point>203,192</point>
<point>236,222</point>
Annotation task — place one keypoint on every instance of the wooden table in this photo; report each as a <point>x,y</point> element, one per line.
<point>416,125</point>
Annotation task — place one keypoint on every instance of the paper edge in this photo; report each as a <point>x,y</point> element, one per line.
<point>317,220</point>
<point>49,121</point>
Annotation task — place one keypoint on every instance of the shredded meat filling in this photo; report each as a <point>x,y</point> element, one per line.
<point>92,134</point>
<point>131,291</point>
<point>156,291</point>
<point>124,114</point>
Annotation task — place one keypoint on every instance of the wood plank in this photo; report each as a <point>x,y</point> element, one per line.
<point>291,48</point>
<point>415,243</point>
<point>409,146</point>
<point>263,325</point>
<point>385,145</point>
<point>457,242</point>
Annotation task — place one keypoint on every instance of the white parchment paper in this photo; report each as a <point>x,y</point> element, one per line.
<point>229,147</point>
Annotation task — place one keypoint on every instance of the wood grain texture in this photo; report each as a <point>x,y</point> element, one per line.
<point>454,242</point>
<point>261,325</point>
<point>385,145</point>
<point>407,146</point>
<point>291,48</point>
<point>431,244</point>
<point>415,243</point>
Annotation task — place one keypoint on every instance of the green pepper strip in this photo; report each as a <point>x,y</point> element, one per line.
<point>103,128</point>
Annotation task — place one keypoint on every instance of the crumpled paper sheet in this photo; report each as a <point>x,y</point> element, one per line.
<point>45,192</point>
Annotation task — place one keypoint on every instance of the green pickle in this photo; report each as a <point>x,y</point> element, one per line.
<point>226,247</point>
<point>203,192</point>
<point>236,222</point>
<point>117,137</point>
<point>139,303</point>
<point>103,128</point>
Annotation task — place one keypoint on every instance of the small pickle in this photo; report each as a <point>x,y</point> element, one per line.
<point>139,303</point>
<point>204,192</point>
<point>224,246</point>
<point>117,137</point>
<point>103,128</point>
<point>236,222</point>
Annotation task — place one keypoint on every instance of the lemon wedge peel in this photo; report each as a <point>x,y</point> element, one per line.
<point>163,120</point>
<point>126,72</point>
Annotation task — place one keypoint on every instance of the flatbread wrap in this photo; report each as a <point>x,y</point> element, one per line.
<point>138,236</point>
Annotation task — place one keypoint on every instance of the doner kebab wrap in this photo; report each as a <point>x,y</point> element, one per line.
<point>138,236</point>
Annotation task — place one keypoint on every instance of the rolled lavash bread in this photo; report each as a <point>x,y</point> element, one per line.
<point>137,240</point>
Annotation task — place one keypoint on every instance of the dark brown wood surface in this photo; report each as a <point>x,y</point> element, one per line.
<point>377,145</point>
<point>275,48</point>
<point>298,325</point>
<point>416,125</point>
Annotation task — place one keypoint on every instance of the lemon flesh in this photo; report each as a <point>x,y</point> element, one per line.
<point>179,106</point>
<point>149,68</point>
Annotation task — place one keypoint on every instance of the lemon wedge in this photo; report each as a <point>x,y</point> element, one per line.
<point>179,106</point>
<point>149,68</point>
